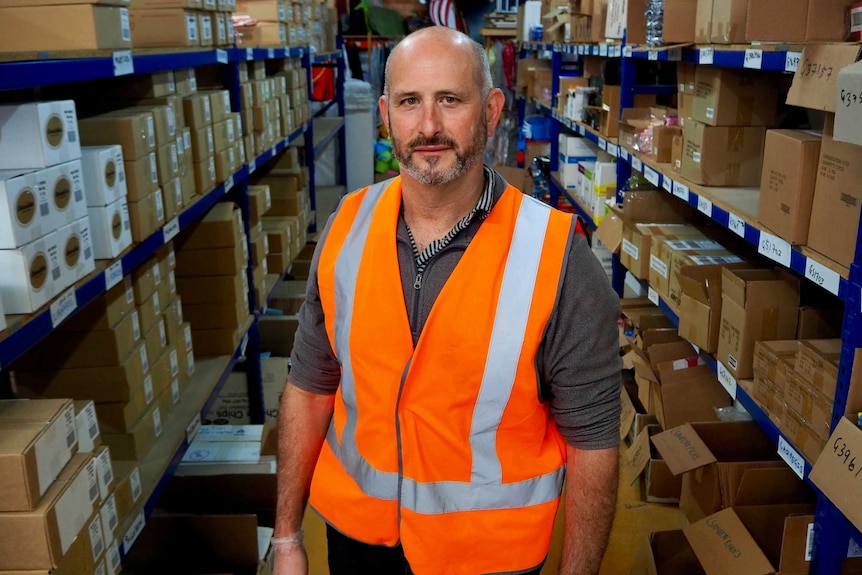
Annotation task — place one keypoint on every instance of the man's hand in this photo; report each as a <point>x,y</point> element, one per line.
<point>291,560</point>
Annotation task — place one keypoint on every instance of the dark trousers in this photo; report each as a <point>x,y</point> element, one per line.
<point>350,557</point>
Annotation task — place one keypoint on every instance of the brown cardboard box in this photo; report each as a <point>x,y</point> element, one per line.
<point>172,194</point>
<point>637,243</point>
<point>682,258</point>
<point>111,383</point>
<point>208,262</point>
<point>787,183</point>
<point>703,22</point>
<point>134,132</point>
<point>147,216</point>
<point>836,205</point>
<point>213,289</point>
<point>259,249</point>
<point>769,355</point>
<point>220,105</point>
<point>676,154</point>
<point>828,20</point>
<point>276,334</point>
<point>815,409</point>
<point>64,27</point>
<point>224,134</point>
<point>687,394</point>
<point>203,144</point>
<point>156,339</point>
<point>135,444</point>
<point>226,163</point>
<point>832,471</point>
<point>221,227</point>
<point>142,177</point>
<point>763,26</point>
<point>717,460</point>
<point>205,175</point>
<point>156,89</point>
<point>817,364</point>
<point>724,156</point>
<point>642,458</point>
<point>260,201</point>
<point>757,305</point>
<point>217,341</point>
<point>149,312</point>
<point>86,349</point>
<point>198,111</point>
<point>38,539</point>
<point>167,161</point>
<point>164,121</point>
<point>815,83</point>
<point>700,305</point>
<point>727,97</point>
<point>145,280</point>
<point>104,311</point>
<point>27,472</point>
<point>169,27</point>
<point>662,251</point>
<point>817,322</point>
<point>728,21</point>
<point>220,315</point>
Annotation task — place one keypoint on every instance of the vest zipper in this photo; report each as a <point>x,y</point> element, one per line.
<point>417,283</point>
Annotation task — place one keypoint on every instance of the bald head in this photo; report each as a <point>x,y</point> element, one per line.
<point>444,42</point>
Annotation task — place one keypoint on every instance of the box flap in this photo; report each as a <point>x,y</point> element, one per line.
<point>765,524</point>
<point>795,547</point>
<point>723,545</point>
<point>815,83</point>
<point>663,352</point>
<point>682,449</point>
<point>770,486</point>
<point>646,372</point>
<point>837,471</point>
<point>702,283</point>
<point>848,117</point>
<point>654,206</point>
<point>610,232</point>
<point>637,457</point>
<point>627,415</point>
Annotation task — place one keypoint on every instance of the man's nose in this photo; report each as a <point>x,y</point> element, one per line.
<point>430,123</point>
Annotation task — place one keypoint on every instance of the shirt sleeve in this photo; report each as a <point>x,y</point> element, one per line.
<point>579,362</point>
<point>314,367</point>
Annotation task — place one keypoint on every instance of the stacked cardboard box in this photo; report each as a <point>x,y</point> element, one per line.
<point>211,274</point>
<point>45,236</point>
<point>260,201</point>
<point>723,142</point>
<point>64,25</point>
<point>157,23</point>
<point>105,191</point>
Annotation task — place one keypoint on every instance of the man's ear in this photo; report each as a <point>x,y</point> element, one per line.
<point>383,104</point>
<point>496,101</point>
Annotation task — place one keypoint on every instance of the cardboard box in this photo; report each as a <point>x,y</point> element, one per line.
<point>135,444</point>
<point>220,105</point>
<point>666,553</point>
<point>836,204</point>
<point>24,209</point>
<point>719,462</point>
<point>77,259</point>
<point>167,162</point>
<point>221,315</point>
<point>208,262</point>
<point>637,243</point>
<point>32,275</point>
<point>680,259</point>
<point>213,289</point>
<point>171,27</point>
<point>722,156</point>
<point>727,97</point>
<point>233,406</point>
<point>39,134</point>
<point>217,341</point>
<point>134,132</point>
<point>762,25</point>
<point>146,216</point>
<point>787,183</point>
<point>703,22</point>
<point>757,305</point>
<point>88,427</point>
<point>221,227</point>
<point>39,438</point>
<point>817,364</point>
<point>65,27</point>
<point>700,305</point>
<point>205,175</point>
<point>65,187</point>
<point>172,194</point>
<point>662,251</point>
<point>815,83</point>
<point>55,523</point>
<point>104,174</point>
<point>770,355</point>
<point>676,154</point>
<point>198,111</point>
<point>729,18</point>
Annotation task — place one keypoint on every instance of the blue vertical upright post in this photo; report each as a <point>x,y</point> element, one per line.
<point>339,95</point>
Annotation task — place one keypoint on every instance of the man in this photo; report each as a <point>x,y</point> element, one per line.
<point>456,357</point>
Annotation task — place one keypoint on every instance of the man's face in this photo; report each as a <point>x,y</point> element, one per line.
<point>436,112</point>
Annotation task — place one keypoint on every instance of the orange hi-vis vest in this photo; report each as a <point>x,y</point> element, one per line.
<point>445,447</point>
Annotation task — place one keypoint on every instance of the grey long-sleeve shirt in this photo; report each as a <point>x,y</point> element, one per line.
<point>578,362</point>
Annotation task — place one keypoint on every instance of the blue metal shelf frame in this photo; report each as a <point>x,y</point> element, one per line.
<point>753,58</point>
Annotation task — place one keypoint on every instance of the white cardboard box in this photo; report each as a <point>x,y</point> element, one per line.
<point>104,174</point>
<point>66,193</point>
<point>111,229</point>
<point>76,251</point>
<point>38,134</point>
<point>30,276</point>
<point>24,210</point>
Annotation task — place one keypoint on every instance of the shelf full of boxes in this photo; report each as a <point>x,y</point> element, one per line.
<point>736,190</point>
<point>154,199</point>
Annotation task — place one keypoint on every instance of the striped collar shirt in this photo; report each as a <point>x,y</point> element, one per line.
<point>481,209</point>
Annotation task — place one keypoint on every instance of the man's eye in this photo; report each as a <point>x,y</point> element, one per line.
<point>409,101</point>
<point>449,99</point>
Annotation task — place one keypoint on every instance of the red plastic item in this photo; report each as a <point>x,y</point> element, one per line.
<point>322,83</point>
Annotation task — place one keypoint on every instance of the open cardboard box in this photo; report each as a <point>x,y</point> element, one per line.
<point>837,472</point>
<point>700,306</point>
<point>721,460</point>
<point>660,485</point>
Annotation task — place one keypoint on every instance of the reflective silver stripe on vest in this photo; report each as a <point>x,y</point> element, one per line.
<point>486,489</point>
<point>373,482</point>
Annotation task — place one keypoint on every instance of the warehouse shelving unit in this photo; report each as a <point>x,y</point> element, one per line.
<point>24,332</point>
<point>833,533</point>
